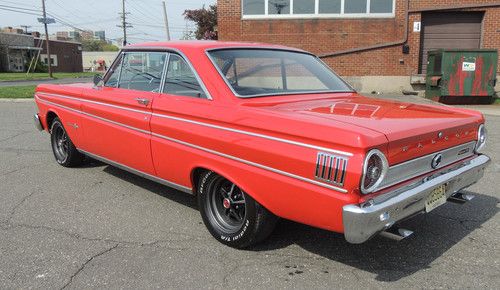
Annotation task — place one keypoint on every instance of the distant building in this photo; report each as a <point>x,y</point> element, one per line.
<point>100,35</point>
<point>65,56</point>
<point>16,50</point>
<point>62,35</point>
<point>12,30</point>
<point>74,36</point>
<point>98,60</point>
<point>87,35</point>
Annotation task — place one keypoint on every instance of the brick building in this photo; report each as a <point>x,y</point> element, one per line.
<point>366,40</point>
<point>66,56</point>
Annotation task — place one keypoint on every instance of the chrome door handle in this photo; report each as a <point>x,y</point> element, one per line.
<point>142,101</point>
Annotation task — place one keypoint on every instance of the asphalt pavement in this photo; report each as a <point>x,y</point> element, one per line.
<point>98,226</point>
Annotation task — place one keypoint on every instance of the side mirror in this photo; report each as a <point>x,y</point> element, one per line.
<point>98,80</point>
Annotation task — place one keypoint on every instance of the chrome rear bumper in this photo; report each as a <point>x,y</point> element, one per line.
<point>362,222</point>
<point>38,122</point>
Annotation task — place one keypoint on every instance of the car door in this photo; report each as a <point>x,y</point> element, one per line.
<point>117,115</point>
<point>184,97</point>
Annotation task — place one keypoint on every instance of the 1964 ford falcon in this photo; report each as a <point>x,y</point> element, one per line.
<point>258,132</point>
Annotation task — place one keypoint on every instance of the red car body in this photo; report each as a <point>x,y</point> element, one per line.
<point>270,147</point>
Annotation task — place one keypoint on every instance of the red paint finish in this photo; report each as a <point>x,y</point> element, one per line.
<point>267,146</point>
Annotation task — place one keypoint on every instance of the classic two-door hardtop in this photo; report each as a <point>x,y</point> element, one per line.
<point>259,132</point>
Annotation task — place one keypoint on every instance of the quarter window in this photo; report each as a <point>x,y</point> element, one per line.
<point>181,80</point>
<point>317,8</point>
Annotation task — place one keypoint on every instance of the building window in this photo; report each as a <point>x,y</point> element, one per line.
<point>53,59</point>
<point>262,9</point>
<point>254,7</point>
<point>381,6</point>
<point>355,6</point>
<point>279,6</point>
<point>303,6</point>
<point>330,6</point>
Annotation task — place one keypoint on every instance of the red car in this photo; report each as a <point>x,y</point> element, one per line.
<point>259,132</point>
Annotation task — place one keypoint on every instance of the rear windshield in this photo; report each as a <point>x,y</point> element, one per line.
<point>265,72</point>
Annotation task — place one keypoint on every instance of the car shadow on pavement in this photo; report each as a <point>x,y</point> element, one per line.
<point>434,234</point>
<point>162,190</point>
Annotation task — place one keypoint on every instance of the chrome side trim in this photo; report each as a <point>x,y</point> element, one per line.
<point>255,134</point>
<point>418,166</point>
<point>95,103</point>
<point>96,117</point>
<point>284,173</point>
<point>210,125</point>
<point>140,173</point>
<point>331,168</point>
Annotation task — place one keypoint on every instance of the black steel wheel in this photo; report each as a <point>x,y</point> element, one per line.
<point>63,148</point>
<point>232,216</point>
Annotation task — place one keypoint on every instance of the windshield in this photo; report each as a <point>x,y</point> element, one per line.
<point>264,72</point>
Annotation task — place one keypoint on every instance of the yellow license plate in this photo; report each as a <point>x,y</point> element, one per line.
<point>436,198</point>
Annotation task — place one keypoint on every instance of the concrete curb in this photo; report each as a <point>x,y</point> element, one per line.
<point>21,100</point>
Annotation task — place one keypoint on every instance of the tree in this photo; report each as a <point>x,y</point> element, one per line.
<point>206,21</point>
<point>98,45</point>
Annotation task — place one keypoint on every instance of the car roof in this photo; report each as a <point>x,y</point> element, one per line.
<point>183,45</point>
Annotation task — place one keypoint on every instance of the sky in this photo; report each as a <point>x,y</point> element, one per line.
<point>146,16</point>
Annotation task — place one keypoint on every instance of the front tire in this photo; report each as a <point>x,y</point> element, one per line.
<point>233,217</point>
<point>63,148</point>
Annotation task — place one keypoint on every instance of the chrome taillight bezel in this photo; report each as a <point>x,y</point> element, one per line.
<point>384,169</point>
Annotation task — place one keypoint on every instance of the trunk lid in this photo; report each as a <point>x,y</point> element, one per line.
<point>412,130</point>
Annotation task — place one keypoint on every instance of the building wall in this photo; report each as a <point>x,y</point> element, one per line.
<point>322,36</point>
<point>69,55</point>
<point>91,58</point>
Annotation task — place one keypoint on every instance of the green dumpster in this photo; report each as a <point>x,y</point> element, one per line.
<point>457,76</point>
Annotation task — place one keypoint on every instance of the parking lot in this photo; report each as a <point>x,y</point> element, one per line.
<point>98,226</point>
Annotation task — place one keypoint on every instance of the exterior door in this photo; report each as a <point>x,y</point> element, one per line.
<point>449,30</point>
<point>184,97</point>
<point>117,115</point>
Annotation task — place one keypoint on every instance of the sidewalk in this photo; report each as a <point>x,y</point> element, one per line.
<point>45,81</point>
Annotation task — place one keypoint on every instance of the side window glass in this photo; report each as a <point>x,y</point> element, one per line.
<point>114,72</point>
<point>142,71</point>
<point>181,80</point>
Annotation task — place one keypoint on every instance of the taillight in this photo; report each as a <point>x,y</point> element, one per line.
<point>374,170</point>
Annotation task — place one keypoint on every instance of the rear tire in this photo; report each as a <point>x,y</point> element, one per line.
<point>233,217</point>
<point>63,148</point>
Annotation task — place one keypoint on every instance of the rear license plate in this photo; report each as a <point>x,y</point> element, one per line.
<point>436,198</point>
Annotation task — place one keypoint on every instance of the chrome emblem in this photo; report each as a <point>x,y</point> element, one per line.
<point>440,135</point>
<point>436,160</point>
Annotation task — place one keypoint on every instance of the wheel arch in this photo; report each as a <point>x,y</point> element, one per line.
<point>198,170</point>
<point>51,115</point>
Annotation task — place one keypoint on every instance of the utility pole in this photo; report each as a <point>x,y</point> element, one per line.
<point>25,28</point>
<point>49,61</point>
<point>124,24</point>
<point>166,20</point>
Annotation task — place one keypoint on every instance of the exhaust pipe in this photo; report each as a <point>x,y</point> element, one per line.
<point>461,197</point>
<point>395,233</point>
